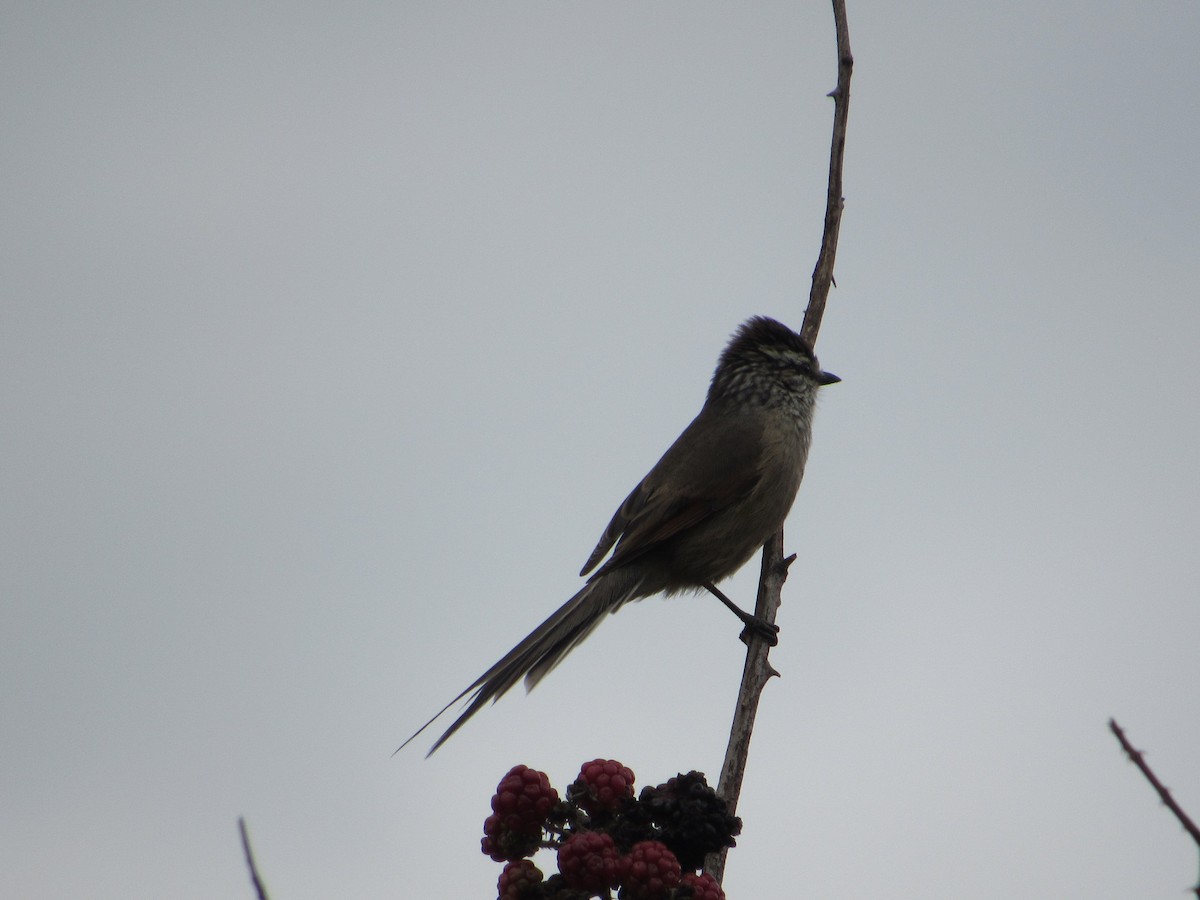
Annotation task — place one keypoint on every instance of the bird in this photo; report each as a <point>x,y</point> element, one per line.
<point>718,493</point>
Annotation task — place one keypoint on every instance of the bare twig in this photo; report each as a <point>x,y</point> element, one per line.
<point>822,277</point>
<point>259,889</point>
<point>1139,760</point>
<point>755,675</point>
<point>758,670</point>
<point>1165,795</point>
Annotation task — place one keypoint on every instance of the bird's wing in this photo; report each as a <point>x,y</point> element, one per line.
<point>684,488</point>
<point>626,512</point>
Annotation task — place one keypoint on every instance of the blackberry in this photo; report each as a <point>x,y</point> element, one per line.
<point>691,819</point>
<point>555,888</point>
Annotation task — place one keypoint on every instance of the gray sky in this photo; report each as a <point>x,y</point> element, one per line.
<point>332,335</point>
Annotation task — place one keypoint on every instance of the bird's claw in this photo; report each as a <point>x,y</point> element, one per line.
<point>761,629</point>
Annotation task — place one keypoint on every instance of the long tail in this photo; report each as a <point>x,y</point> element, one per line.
<point>545,647</point>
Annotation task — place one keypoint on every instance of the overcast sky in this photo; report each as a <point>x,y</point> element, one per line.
<point>332,335</point>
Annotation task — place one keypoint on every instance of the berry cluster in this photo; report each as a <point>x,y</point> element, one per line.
<point>648,848</point>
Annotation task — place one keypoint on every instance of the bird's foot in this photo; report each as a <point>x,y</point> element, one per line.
<point>759,628</point>
<point>753,626</point>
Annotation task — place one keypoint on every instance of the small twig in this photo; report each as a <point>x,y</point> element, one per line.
<point>755,675</point>
<point>757,670</point>
<point>259,888</point>
<point>1165,795</point>
<point>1138,760</point>
<point>822,277</point>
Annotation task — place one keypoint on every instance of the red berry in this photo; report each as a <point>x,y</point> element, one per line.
<point>704,887</point>
<point>602,785</point>
<point>523,800</point>
<point>590,861</point>
<point>651,871</point>
<point>519,879</point>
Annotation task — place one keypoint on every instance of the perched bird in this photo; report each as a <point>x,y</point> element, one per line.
<point>718,493</point>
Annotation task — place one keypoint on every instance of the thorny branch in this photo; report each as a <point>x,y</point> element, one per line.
<point>758,670</point>
<point>1138,759</point>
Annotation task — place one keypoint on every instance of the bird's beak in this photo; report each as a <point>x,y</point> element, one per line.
<point>827,378</point>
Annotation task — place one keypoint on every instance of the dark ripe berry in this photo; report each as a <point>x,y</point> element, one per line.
<point>519,881</point>
<point>630,824</point>
<point>555,888</point>
<point>692,820</point>
<point>651,871</point>
<point>590,861</point>
<point>523,799</point>
<point>704,887</point>
<point>601,786</point>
